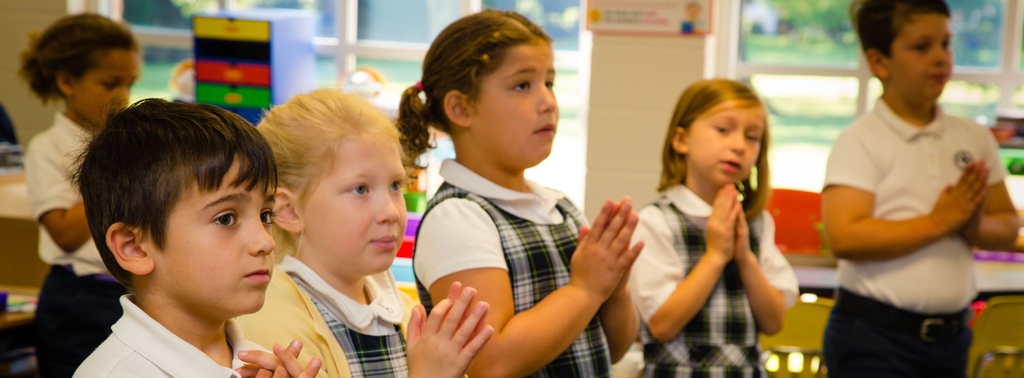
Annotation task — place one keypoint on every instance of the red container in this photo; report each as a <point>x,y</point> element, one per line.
<point>405,250</point>
<point>219,71</point>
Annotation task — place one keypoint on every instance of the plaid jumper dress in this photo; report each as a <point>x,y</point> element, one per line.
<point>367,355</point>
<point>722,338</point>
<point>538,258</point>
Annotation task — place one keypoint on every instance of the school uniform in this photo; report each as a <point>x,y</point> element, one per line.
<point>141,347</point>
<point>472,223</point>
<point>78,301</point>
<point>906,316</point>
<point>352,339</point>
<point>722,338</point>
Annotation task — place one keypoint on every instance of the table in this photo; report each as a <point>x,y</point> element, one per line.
<point>11,320</point>
<point>994,278</point>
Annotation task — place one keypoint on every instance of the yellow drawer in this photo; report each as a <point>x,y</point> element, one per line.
<point>225,28</point>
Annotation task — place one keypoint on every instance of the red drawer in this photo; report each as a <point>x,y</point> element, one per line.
<point>218,71</point>
<point>408,244</point>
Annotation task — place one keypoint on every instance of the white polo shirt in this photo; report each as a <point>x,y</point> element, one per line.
<point>141,347</point>
<point>458,234</point>
<point>48,161</point>
<point>660,269</point>
<point>906,167</point>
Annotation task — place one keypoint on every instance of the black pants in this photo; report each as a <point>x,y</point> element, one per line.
<point>856,347</point>
<point>73,318</point>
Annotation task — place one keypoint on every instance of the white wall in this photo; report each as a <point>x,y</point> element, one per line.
<point>634,84</point>
<point>18,18</point>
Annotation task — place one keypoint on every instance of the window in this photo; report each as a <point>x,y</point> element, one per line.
<point>804,59</point>
<point>391,37</point>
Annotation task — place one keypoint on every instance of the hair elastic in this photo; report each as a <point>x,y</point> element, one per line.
<point>419,86</point>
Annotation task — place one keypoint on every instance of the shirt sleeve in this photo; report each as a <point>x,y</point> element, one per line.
<point>46,176</point>
<point>774,265</point>
<point>849,164</point>
<point>658,270</point>
<point>456,235</point>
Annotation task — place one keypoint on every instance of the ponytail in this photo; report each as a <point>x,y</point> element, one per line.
<point>414,121</point>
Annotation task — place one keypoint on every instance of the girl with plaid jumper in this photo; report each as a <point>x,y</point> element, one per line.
<point>711,277</point>
<point>560,303</point>
<point>339,219</point>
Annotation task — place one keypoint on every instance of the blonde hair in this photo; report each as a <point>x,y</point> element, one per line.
<point>305,134</point>
<point>697,99</point>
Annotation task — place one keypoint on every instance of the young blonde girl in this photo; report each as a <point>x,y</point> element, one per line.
<point>88,63</point>
<point>560,305</point>
<point>711,277</point>
<point>339,219</point>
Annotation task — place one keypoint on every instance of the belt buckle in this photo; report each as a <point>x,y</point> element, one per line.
<point>925,327</point>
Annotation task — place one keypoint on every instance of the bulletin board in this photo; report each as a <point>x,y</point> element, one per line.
<point>650,17</point>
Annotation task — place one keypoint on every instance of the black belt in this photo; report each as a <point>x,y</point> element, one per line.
<point>930,328</point>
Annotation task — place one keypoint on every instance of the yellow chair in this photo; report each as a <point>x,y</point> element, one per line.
<point>998,346</point>
<point>801,337</point>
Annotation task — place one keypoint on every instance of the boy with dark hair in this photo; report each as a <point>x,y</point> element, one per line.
<point>178,198</point>
<point>908,191</point>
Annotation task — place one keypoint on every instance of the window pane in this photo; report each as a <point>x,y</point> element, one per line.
<point>806,114</point>
<point>324,10</point>
<point>798,32</point>
<point>971,100</point>
<point>416,21</point>
<point>559,18</point>
<point>158,66</point>
<point>961,98</point>
<point>165,13</point>
<point>326,72</point>
<point>977,27</point>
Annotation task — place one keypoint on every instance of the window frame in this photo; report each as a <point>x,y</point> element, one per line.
<point>1008,77</point>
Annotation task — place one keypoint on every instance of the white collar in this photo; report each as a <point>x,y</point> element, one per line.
<point>170,353</point>
<point>905,129</point>
<point>458,175</point>
<point>385,304</point>
<point>687,201</point>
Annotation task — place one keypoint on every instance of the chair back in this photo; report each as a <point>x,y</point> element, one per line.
<point>802,335</point>
<point>797,220</point>
<point>997,349</point>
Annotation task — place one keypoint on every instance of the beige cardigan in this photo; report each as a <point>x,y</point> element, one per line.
<point>288,313</point>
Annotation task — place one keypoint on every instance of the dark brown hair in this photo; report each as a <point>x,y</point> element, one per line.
<point>697,99</point>
<point>459,58</point>
<point>878,21</point>
<point>73,45</point>
<point>136,169</point>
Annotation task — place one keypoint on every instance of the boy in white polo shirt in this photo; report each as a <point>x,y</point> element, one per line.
<point>908,191</point>
<point>178,198</point>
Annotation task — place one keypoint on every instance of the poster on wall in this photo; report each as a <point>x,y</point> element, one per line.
<point>652,17</point>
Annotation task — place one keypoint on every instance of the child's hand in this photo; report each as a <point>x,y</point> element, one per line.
<point>446,342</point>
<point>281,364</point>
<point>957,204</point>
<point>603,256</point>
<point>743,255</point>
<point>721,227</point>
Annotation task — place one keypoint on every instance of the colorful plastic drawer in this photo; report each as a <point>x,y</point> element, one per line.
<point>219,71</point>
<point>412,223</point>
<point>231,96</point>
<point>229,28</point>
<point>406,249</point>
<point>253,115</point>
<point>206,48</point>
<point>402,269</point>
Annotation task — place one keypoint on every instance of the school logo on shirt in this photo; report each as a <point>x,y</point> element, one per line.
<point>962,158</point>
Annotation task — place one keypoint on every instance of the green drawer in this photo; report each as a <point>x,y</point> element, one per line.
<point>233,96</point>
